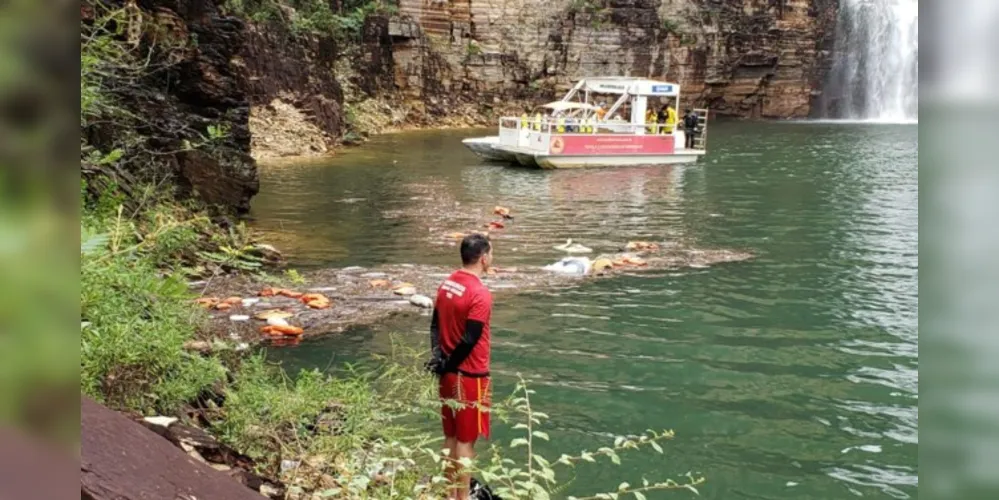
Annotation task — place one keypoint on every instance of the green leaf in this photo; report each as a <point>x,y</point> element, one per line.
<point>691,488</point>
<point>645,482</point>
<point>540,493</point>
<point>518,442</point>
<point>520,426</point>
<point>616,459</point>
<point>656,447</point>
<point>587,456</point>
<point>542,435</point>
<point>623,486</point>
<point>639,495</point>
<point>93,243</point>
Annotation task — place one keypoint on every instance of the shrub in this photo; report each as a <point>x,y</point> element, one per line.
<point>362,435</point>
<point>136,318</point>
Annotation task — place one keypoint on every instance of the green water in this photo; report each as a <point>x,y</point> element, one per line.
<point>790,376</point>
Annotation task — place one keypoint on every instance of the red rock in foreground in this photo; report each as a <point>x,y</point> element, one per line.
<point>121,459</point>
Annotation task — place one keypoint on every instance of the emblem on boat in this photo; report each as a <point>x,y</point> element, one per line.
<point>557,145</point>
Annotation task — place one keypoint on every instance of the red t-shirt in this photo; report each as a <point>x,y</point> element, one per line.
<point>462,296</point>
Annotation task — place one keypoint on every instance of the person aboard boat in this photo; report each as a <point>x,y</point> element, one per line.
<point>601,111</point>
<point>670,119</point>
<point>662,117</point>
<point>690,128</point>
<point>651,121</point>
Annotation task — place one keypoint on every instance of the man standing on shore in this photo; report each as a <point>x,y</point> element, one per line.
<point>460,341</point>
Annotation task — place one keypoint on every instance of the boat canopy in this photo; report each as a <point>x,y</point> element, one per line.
<point>632,86</point>
<point>567,105</point>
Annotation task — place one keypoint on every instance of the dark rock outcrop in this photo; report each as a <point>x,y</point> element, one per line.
<point>122,459</point>
<point>182,106</point>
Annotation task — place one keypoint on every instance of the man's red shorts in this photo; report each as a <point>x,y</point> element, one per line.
<point>472,419</point>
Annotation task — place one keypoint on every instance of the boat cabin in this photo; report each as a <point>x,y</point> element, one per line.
<point>603,121</point>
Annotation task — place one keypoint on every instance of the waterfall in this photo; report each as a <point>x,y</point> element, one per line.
<point>875,62</point>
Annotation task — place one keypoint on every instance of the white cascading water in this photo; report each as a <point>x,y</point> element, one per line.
<point>875,70</point>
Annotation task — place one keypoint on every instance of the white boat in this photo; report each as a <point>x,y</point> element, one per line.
<point>576,133</point>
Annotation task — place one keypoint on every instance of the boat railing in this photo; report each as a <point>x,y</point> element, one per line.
<point>513,127</point>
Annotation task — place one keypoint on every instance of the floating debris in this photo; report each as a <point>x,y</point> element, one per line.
<point>602,264</point>
<point>502,212</point>
<point>578,266</point>
<point>421,301</point>
<point>272,313</point>
<point>642,246</point>
<point>315,300</point>
<point>277,321</point>
<point>239,317</point>
<point>207,302</point>
<point>571,247</point>
<point>282,330</point>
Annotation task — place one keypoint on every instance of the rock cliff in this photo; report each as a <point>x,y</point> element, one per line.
<point>749,58</point>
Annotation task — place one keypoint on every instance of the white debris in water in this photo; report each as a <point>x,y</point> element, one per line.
<point>406,290</point>
<point>249,302</point>
<point>276,321</point>
<point>578,266</point>
<point>160,421</point>
<point>421,301</point>
<point>870,448</point>
<point>239,317</point>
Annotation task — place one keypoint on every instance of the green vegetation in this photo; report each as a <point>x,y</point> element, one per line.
<point>313,17</point>
<point>137,316</point>
<point>598,12</point>
<point>670,26</point>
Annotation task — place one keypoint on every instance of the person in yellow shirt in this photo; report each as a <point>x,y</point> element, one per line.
<point>670,119</point>
<point>651,121</point>
<point>601,111</point>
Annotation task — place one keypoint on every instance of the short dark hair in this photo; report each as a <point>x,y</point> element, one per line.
<point>473,247</point>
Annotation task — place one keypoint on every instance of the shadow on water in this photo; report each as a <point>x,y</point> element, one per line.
<point>790,376</point>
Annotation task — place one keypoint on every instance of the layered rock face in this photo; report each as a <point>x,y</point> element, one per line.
<point>750,58</point>
<point>296,100</point>
<point>189,86</point>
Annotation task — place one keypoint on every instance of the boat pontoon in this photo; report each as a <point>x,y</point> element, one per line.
<point>575,132</point>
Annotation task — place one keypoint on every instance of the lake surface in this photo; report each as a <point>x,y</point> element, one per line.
<point>794,375</point>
